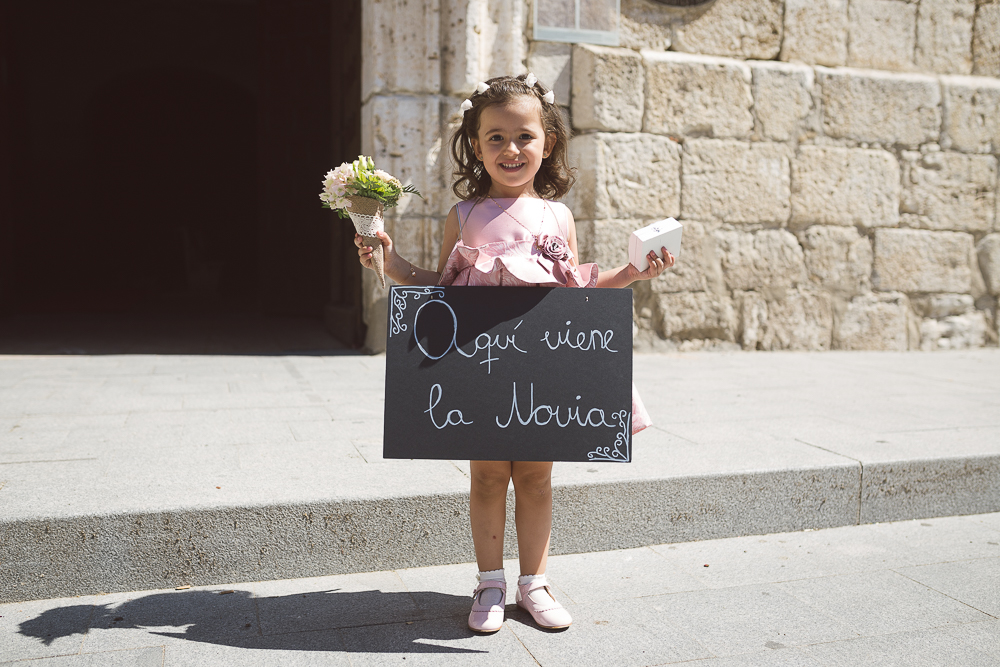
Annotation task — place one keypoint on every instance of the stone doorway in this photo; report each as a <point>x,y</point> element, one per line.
<point>162,160</point>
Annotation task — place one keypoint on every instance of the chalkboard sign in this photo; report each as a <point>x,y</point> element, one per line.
<point>509,374</point>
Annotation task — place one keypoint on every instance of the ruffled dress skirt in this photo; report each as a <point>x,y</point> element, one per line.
<point>520,264</point>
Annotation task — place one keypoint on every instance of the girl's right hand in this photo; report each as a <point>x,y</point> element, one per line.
<point>365,251</point>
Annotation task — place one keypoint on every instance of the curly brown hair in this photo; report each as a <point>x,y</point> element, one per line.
<point>554,177</point>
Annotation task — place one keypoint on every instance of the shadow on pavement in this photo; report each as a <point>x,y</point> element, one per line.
<point>180,332</point>
<point>370,621</point>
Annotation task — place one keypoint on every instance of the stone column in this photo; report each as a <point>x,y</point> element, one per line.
<point>421,58</point>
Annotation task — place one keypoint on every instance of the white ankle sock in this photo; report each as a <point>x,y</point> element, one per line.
<point>539,595</point>
<point>491,575</point>
<point>491,596</point>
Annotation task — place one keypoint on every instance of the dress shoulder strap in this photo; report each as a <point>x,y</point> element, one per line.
<point>464,210</point>
<point>562,224</point>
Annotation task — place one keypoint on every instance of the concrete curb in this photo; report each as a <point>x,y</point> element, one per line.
<point>923,488</point>
<point>66,556</point>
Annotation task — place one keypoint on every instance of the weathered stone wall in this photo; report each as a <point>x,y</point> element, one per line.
<point>834,162</point>
<point>422,58</point>
<point>934,36</point>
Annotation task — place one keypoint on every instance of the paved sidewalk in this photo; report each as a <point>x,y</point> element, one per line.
<point>913,593</point>
<point>131,472</point>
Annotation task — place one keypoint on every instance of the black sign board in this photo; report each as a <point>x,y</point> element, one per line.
<point>509,374</point>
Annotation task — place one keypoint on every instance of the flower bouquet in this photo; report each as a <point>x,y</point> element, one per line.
<point>361,191</point>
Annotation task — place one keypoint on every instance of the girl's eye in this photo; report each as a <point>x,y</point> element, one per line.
<point>496,137</point>
<point>526,137</point>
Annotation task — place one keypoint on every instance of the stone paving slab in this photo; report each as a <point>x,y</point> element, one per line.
<point>125,472</point>
<point>919,592</point>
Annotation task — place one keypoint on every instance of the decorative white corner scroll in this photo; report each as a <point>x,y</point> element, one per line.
<point>398,304</point>
<point>621,451</point>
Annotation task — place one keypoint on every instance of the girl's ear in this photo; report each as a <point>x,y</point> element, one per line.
<point>475,148</point>
<point>550,143</point>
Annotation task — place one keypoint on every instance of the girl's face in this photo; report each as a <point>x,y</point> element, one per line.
<point>511,145</point>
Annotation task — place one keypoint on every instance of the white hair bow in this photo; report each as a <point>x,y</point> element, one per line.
<point>466,105</point>
<point>482,87</point>
<point>530,80</point>
<point>549,97</point>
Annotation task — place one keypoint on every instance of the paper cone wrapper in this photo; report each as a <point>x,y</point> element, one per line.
<point>366,214</point>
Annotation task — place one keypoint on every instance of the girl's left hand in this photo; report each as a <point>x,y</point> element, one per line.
<point>657,265</point>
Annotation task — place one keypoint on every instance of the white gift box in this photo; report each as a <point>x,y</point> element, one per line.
<point>662,234</point>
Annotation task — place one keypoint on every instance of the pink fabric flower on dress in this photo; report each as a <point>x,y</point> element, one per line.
<point>553,247</point>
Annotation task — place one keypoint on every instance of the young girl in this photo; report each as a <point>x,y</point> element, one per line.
<point>510,152</point>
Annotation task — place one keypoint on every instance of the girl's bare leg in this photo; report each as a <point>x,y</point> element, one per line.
<point>488,511</point>
<point>532,513</point>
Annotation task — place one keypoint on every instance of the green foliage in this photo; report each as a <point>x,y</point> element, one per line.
<point>388,192</point>
<point>363,180</point>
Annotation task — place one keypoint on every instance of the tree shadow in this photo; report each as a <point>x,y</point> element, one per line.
<point>356,621</point>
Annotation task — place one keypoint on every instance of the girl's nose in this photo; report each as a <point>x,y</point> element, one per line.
<point>511,149</point>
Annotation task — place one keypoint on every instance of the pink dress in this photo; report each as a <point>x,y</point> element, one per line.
<point>497,248</point>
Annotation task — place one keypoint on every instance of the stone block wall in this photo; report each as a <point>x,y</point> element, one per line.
<point>834,162</point>
<point>421,59</point>
<point>933,36</point>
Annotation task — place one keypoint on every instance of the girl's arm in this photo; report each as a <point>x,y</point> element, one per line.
<point>448,239</point>
<point>622,276</point>
<point>402,271</point>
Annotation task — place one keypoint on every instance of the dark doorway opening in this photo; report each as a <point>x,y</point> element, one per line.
<point>160,172</point>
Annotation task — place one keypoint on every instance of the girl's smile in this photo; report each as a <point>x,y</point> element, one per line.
<point>511,144</point>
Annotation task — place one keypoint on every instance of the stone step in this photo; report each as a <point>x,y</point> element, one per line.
<point>132,473</point>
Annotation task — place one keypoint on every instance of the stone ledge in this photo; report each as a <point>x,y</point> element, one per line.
<point>252,543</point>
<point>86,555</point>
<point>745,444</point>
<point>900,490</point>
